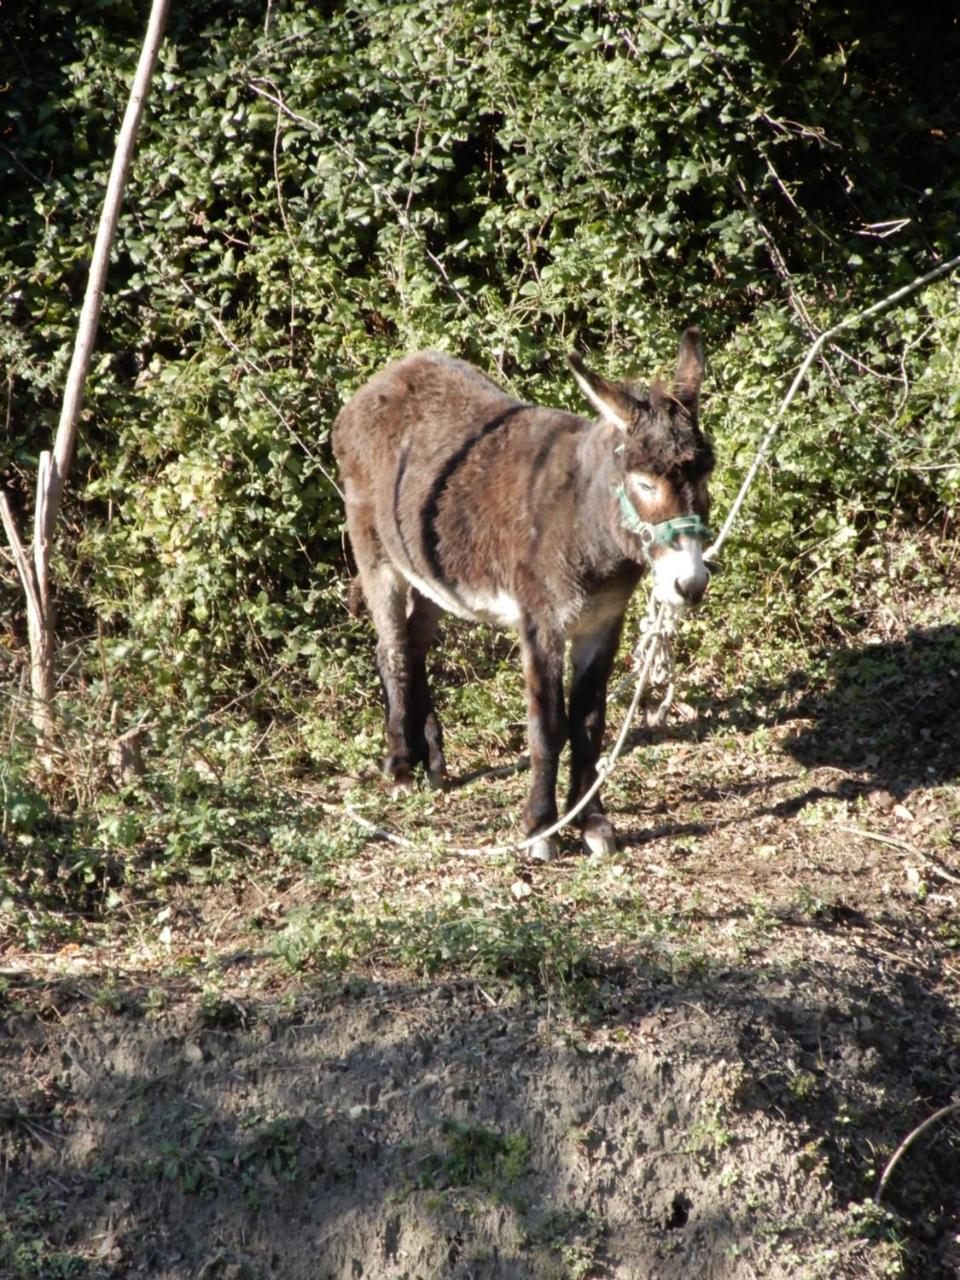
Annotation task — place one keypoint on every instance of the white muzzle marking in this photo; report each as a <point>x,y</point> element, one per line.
<point>679,575</point>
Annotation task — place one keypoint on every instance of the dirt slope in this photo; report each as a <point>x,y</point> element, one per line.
<point>711,1091</point>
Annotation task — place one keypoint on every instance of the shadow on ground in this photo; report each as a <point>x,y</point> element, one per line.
<point>720,1126</point>
<point>888,715</point>
<point>889,711</point>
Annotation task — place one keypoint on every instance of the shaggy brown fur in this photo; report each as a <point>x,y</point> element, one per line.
<point>461,498</point>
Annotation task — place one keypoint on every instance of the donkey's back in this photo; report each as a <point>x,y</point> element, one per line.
<point>461,498</point>
<point>455,483</point>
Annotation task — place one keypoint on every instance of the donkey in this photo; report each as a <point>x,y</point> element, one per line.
<point>462,499</point>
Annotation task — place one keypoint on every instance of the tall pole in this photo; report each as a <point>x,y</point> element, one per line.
<point>54,466</point>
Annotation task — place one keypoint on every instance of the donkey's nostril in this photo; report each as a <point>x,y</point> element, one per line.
<point>690,589</point>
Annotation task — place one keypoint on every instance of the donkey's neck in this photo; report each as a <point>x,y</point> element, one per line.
<point>600,549</point>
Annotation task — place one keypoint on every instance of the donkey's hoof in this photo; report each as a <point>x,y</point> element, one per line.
<point>543,849</point>
<point>399,780</point>
<point>437,778</point>
<point>396,768</point>
<point>599,836</point>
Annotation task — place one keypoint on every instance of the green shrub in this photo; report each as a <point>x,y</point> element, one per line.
<point>317,190</point>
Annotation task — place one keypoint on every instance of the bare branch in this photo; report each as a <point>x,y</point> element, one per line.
<point>828,334</point>
<point>20,557</point>
<point>908,1141</point>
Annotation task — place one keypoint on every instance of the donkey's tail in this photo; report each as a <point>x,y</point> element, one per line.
<point>355,600</point>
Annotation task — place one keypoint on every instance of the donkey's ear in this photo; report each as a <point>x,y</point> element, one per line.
<point>610,401</point>
<point>690,366</point>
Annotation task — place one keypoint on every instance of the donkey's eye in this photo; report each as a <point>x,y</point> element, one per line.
<point>644,486</point>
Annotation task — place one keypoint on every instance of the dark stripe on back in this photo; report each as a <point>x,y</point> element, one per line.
<point>430,539</point>
<point>537,468</point>
<point>544,451</point>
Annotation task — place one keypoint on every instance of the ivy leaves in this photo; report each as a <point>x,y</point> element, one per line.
<point>318,189</point>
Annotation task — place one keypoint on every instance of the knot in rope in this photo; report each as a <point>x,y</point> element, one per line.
<point>653,654</point>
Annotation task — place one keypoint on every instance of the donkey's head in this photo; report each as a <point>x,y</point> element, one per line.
<point>659,470</point>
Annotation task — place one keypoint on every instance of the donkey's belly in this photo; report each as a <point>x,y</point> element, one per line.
<point>495,607</point>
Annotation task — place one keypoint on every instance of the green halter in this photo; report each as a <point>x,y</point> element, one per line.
<point>663,534</point>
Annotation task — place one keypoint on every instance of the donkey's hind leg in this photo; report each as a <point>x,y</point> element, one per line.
<point>406,625</point>
<point>424,733</point>
<point>386,594</point>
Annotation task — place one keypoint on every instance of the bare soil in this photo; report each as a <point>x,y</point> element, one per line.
<point>715,1094</point>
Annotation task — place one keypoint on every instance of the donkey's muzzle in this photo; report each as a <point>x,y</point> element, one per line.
<point>691,590</point>
<point>680,575</point>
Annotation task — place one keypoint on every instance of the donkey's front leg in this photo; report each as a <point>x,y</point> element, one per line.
<point>546,729</point>
<point>592,658</point>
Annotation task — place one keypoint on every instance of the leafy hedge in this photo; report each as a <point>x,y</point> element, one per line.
<point>320,187</point>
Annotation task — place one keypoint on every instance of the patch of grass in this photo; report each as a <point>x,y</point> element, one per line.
<point>196,1161</point>
<point>709,1134</point>
<point>27,1251</point>
<point>870,1221</point>
<point>308,839</point>
<point>221,1012</point>
<point>204,1157</point>
<point>572,1238</point>
<point>475,1157</point>
<point>271,1152</point>
<point>479,935</point>
<point>325,938</point>
<point>111,995</point>
<point>803,1085</point>
<point>568,935</point>
<point>759,926</point>
<point>155,1002</point>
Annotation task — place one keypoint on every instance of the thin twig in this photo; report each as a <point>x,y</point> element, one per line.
<point>19,555</point>
<point>20,165</point>
<point>908,1141</point>
<point>767,442</point>
<point>783,271</point>
<point>903,847</point>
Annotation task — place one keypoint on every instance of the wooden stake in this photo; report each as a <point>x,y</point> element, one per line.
<point>53,468</point>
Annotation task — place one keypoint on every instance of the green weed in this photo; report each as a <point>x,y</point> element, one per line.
<point>469,934</point>
<point>204,1157</point>
<point>869,1221</point>
<point>709,1134</point>
<point>573,1237</point>
<point>475,1157</point>
<point>26,1249</point>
